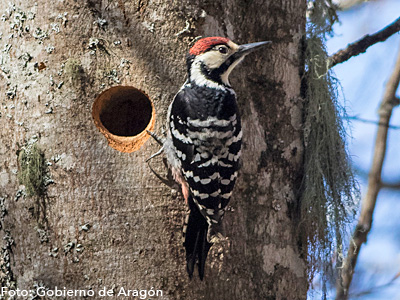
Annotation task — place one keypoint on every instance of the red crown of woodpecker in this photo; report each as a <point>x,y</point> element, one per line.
<point>205,44</point>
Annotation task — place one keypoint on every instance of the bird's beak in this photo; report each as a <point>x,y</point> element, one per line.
<point>247,48</point>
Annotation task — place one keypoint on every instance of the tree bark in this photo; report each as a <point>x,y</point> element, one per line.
<point>106,221</point>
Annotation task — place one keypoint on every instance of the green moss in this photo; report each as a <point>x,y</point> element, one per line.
<point>73,70</point>
<point>32,169</point>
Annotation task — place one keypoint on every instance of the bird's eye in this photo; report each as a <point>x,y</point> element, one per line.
<point>223,50</point>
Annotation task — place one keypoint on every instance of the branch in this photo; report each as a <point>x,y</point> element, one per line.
<point>356,118</point>
<point>348,4</point>
<point>391,185</point>
<point>375,288</point>
<point>363,44</point>
<point>374,185</point>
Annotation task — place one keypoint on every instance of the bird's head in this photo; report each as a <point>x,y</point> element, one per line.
<point>211,60</point>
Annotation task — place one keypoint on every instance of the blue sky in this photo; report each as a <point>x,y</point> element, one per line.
<point>363,80</point>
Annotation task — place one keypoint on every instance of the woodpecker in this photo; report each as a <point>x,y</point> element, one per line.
<point>203,143</point>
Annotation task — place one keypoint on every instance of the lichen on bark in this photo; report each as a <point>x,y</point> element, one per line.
<point>330,192</point>
<point>32,169</point>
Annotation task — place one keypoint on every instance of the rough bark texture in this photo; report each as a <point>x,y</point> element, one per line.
<point>134,239</point>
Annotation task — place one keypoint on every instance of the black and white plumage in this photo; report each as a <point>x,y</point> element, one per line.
<point>203,145</point>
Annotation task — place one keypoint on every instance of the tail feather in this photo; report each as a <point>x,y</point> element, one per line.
<point>191,251</point>
<point>203,248</point>
<point>196,243</point>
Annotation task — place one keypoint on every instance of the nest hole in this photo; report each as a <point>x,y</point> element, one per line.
<point>123,114</point>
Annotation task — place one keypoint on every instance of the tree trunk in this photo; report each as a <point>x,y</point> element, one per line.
<point>106,220</point>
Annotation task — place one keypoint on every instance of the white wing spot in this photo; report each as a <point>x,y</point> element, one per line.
<point>222,164</point>
<point>214,176</point>
<point>205,181</point>
<point>204,155</point>
<point>200,195</point>
<point>212,121</point>
<point>210,211</point>
<point>216,193</point>
<point>188,174</point>
<point>227,195</point>
<point>181,137</point>
<point>225,181</point>
<point>237,156</point>
<point>197,158</point>
<point>234,139</point>
<point>233,176</point>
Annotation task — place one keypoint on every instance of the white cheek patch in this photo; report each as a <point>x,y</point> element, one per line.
<point>212,59</point>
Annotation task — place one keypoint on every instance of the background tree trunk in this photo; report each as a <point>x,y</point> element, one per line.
<point>134,235</point>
